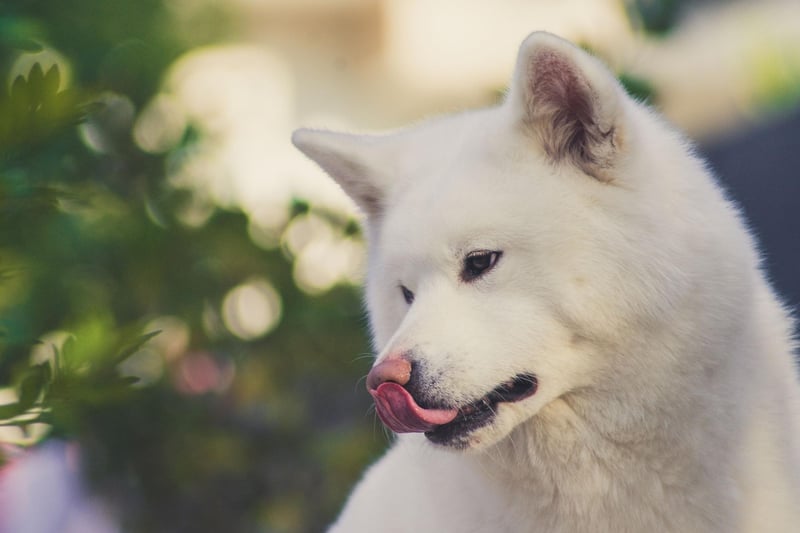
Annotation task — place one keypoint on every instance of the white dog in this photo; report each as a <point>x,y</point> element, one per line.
<point>574,334</point>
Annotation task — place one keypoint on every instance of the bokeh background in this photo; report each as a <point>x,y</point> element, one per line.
<point>182,339</point>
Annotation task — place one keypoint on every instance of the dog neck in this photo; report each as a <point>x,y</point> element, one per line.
<point>624,452</point>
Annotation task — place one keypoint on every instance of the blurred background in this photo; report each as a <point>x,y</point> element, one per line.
<point>182,340</point>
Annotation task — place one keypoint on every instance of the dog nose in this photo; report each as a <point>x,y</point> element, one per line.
<point>395,369</point>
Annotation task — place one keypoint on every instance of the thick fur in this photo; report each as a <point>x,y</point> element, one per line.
<point>667,396</point>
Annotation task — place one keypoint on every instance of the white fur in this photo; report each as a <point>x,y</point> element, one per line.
<point>668,400</point>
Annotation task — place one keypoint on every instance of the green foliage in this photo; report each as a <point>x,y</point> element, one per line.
<point>656,17</point>
<point>69,383</point>
<point>93,250</point>
<point>637,87</point>
<point>35,109</point>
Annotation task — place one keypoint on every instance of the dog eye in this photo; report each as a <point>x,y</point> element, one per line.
<point>478,263</point>
<point>407,294</point>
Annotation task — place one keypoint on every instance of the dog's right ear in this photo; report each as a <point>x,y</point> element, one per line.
<point>351,160</point>
<point>571,103</point>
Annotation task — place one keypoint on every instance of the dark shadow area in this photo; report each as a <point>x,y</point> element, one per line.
<point>759,168</point>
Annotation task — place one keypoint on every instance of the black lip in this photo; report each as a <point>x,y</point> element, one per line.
<point>482,411</point>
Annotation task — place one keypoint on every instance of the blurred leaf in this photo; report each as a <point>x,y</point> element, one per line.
<point>639,88</point>
<point>657,17</point>
<point>35,110</point>
<point>36,84</point>
<point>10,411</point>
<point>27,45</point>
<point>32,386</point>
<point>19,94</point>
<point>129,350</point>
<point>51,81</point>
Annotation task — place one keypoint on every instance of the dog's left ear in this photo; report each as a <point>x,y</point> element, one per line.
<point>570,102</point>
<point>352,161</point>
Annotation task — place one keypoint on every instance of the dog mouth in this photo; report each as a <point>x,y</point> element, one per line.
<point>400,412</point>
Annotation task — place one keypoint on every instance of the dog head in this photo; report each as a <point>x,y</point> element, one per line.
<point>496,278</point>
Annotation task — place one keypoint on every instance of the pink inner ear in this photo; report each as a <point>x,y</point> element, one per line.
<point>561,104</point>
<point>561,107</point>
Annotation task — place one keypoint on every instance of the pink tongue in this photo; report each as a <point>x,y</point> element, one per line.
<point>401,414</point>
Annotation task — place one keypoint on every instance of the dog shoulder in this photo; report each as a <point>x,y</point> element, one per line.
<point>416,488</point>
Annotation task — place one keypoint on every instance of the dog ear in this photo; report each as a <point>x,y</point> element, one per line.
<point>570,102</point>
<point>347,159</point>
